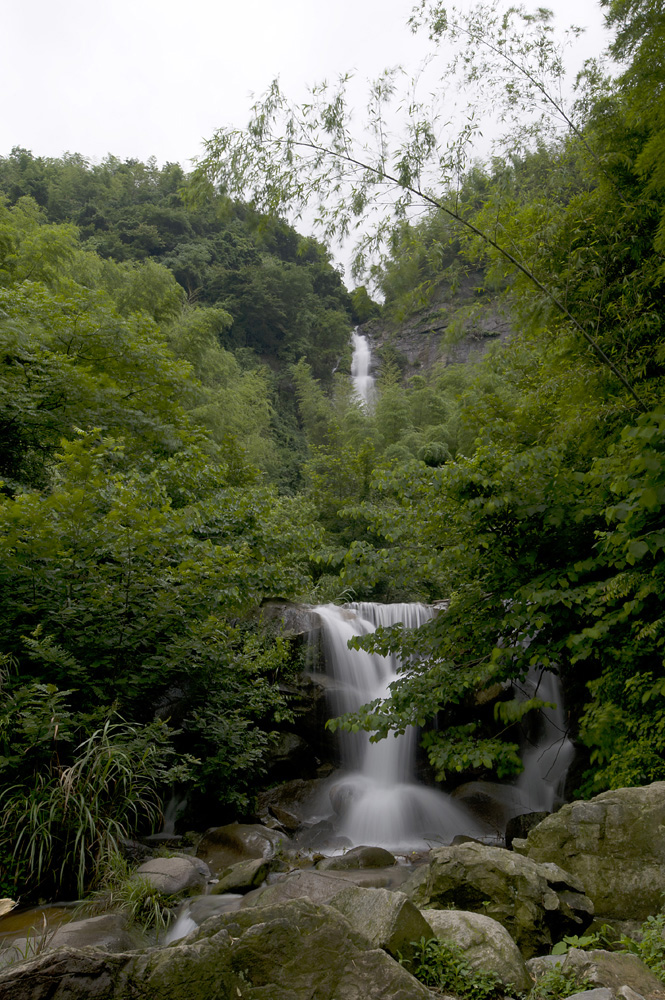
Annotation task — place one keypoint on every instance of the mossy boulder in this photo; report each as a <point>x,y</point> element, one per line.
<point>385,919</point>
<point>614,844</point>
<point>295,950</point>
<point>487,945</point>
<point>537,904</point>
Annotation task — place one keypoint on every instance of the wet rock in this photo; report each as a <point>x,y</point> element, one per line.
<point>537,904</point>
<point>614,844</point>
<point>359,857</point>
<point>172,875</point>
<point>242,877</point>
<point>386,919</point>
<point>342,797</point>
<point>487,945</point>
<point>223,846</point>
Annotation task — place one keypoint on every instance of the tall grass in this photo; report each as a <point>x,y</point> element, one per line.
<point>63,824</point>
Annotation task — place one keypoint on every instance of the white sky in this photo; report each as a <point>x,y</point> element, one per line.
<point>154,77</point>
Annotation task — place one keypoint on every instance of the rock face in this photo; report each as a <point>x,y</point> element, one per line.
<point>614,843</point>
<point>293,951</point>
<point>387,920</point>
<point>537,904</point>
<point>487,945</point>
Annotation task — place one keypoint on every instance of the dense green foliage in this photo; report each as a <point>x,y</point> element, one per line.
<point>529,488</point>
<point>175,448</point>
<point>140,533</point>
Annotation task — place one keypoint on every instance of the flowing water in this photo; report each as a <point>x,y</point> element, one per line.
<point>363,382</point>
<point>376,798</point>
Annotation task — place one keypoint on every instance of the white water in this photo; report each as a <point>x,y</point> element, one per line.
<point>377,799</point>
<point>546,761</point>
<point>363,382</point>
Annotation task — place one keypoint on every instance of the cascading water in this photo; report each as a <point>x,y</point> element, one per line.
<point>547,759</point>
<point>363,382</point>
<point>377,798</point>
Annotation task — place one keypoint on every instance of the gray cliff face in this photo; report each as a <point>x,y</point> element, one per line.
<point>455,328</point>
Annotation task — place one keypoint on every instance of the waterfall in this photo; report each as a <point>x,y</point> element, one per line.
<point>546,760</point>
<point>363,382</point>
<point>376,798</point>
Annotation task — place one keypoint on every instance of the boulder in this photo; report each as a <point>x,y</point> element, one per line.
<point>359,857</point>
<point>614,970</point>
<point>223,846</point>
<point>293,951</point>
<point>242,877</point>
<point>306,884</point>
<point>537,904</point>
<point>385,919</point>
<point>487,945</point>
<point>172,875</point>
<point>614,843</point>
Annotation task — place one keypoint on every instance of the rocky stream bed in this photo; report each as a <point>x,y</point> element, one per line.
<point>268,921</point>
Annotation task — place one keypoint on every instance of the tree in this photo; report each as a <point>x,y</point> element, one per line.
<point>531,530</point>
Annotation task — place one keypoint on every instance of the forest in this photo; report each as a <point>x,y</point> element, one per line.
<point>180,443</point>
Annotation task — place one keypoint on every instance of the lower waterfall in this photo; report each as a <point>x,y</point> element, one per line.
<point>376,799</point>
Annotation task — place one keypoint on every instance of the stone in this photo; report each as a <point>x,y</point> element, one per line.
<point>223,846</point>
<point>287,802</point>
<point>519,826</point>
<point>486,943</point>
<point>537,904</point>
<point>242,877</point>
<point>359,857</point>
<point>320,887</point>
<point>614,843</point>
<point>614,970</point>
<point>172,875</point>
<point>295,950</point>
<point>386,919</point>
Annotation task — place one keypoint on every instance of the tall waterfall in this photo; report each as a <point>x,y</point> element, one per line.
<point>363,382</point>
<point>377,798</point>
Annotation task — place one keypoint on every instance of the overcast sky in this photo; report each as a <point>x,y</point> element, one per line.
<point>154,77</point>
